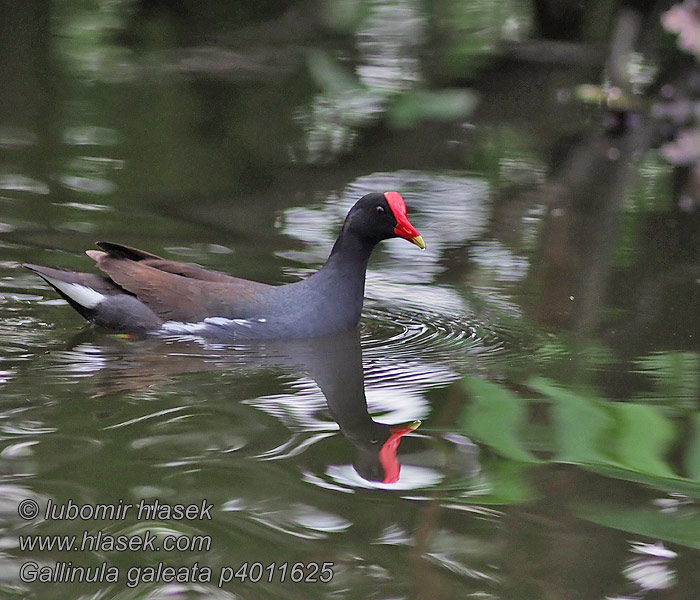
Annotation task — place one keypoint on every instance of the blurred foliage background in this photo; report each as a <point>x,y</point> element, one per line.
<point>551,150</point>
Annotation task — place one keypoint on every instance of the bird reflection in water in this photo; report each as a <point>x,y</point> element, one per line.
<point>126,363</point>
<point>335,364</point>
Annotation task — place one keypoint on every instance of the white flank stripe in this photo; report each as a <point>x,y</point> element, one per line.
<point>83,295</point>
<point>180,327</point>
<point>208,324</point>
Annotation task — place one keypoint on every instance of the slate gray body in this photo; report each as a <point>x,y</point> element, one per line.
<point>142,292</point>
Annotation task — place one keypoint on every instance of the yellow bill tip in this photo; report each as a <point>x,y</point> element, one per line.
<point>418,241</point>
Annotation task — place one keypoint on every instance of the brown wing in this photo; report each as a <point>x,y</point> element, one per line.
<point>177,291</point>
<point>157,262</point>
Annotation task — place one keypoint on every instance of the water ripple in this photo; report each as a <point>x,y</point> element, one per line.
<point>438,339</point>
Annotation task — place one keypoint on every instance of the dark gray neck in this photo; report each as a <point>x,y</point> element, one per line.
<point>339,285</point>
<point>349,257</point>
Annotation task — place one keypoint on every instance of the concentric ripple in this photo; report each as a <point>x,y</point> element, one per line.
<point>406,333</point>
<point>450,340</point>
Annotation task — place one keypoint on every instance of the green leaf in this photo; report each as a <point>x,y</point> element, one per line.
<point>624,435</point>
<point>583,429</point>
<point>414,106</point>
<point>677,485</point>
<point>509,483</point>
<point>692,456</point>
<point>676,375</point>
<point>329,75</point>
<point>495,417</point>
<point>643,436</point>
<point>676,527</point>
<point>582,424</point>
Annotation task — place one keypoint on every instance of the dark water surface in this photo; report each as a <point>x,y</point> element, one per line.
<point>547,339</point>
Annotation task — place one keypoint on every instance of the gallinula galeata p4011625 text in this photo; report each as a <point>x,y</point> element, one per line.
<point>142,292</point>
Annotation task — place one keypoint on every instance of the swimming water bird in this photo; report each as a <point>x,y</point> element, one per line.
<point>140,292</point>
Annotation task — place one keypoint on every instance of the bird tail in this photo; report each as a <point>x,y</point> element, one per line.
<point>83,291</point>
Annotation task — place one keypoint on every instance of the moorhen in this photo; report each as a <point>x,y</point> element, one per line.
<point>144,293</point>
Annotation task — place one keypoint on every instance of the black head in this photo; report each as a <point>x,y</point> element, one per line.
<point>377,458</point>
<point>378,217</point>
